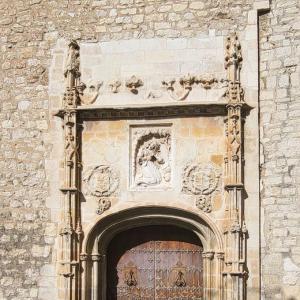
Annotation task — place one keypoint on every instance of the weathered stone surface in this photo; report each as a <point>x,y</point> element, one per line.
<point>29,33</point>
<point>280,158</point>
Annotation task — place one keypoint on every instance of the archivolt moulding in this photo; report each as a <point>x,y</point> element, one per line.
<point>98,237</point>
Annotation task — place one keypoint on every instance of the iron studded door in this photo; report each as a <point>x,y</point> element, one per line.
<point>155,263</point>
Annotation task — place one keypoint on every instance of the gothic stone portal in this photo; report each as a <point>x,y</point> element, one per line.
<point>184,144</point>
<point>155,263</point>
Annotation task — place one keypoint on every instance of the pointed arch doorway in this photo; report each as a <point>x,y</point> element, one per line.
<point>154,263</point>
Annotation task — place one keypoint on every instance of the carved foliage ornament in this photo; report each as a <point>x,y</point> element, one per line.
<point>201,180</point>
<point>233,52</point>
<point>89,93</point>
<point>101,182</point>
<point>151,161</point>
<point>133,84</point>
<point>180,89</point>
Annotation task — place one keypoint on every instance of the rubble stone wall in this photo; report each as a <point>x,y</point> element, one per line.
<point>280,155</point>
<point>29,31</point>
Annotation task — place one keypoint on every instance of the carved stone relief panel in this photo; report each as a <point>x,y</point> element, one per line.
<point>201,180</point>
<point>101,182</point>
<point>151,156</point>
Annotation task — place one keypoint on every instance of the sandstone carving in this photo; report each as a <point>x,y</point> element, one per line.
<point>204,203</point>
<point>151,95</point>
<point>71,98</point>
<point>70,146</point>
<point>207,81</point>
<point>179,91</point>
<point>88,94</point>
<point>187,81</point>
<point>101,181</point>
<point>115,85</point>
<point>201,180</point>
<point>233,54</point>
<point>103,205</point>
<point>133,84</point>
<point>152,162</point>
<point>73,61</point>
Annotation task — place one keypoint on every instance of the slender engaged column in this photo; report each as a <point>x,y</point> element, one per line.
<point>95,275</point>
<point>207,264</point>
<point>220,264</point>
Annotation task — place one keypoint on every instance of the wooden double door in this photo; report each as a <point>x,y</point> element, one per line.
<point>155,263</point>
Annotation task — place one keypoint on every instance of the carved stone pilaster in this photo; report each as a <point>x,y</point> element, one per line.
<point>234,237</point>
<point>71,231</point>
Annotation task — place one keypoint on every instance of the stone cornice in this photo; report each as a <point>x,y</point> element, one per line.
<point>153,111</point>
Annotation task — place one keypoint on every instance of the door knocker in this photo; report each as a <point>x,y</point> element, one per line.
<point>130,278</point>
<point>180,281</point>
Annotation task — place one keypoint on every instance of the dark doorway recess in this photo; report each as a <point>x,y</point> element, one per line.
<point>155,263</point>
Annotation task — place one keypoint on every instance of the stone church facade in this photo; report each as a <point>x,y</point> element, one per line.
<point>170,126</point>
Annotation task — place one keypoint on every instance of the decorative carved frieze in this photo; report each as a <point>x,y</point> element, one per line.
<point>201,180</point>
<point>89,93</point>
<point>114,86</point>
<point>187,81</point>
<point>101,182</point>
<point>207,81</point>
<point>179,90</point>
<point>151,156</point>
<point>133,84</point>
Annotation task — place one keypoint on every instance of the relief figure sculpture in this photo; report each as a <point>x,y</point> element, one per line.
<point>152,162</point>
<point>149,160</point>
